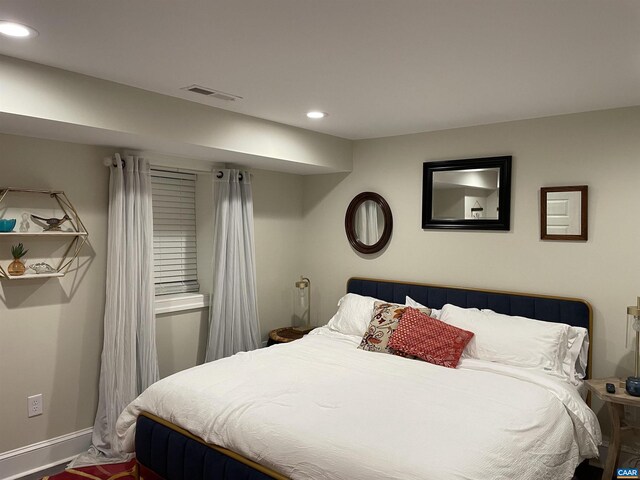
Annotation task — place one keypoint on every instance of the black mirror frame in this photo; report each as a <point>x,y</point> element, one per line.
<point>350,228</point>
<point>504,197</point>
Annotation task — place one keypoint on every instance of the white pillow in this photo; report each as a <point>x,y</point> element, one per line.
<point>575,362</point>
<point>511,340</point>
<point>353,315</point>
<point>410,302</point>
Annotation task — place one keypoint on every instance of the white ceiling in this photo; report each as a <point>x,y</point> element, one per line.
<point>378,67</point>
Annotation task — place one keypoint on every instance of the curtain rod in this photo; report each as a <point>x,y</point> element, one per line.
<point>181,170</point>
<point>111,162</point>
<point>219,174</point>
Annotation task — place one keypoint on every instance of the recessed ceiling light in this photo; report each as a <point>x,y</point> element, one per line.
<point>17,30</point>
<point>316,114</point>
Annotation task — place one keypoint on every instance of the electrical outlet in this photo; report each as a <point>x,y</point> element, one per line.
<point>34,405</point>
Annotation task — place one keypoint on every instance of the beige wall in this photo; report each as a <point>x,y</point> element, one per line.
<point>181,340</point>
<point>51,331</point>
<point>600,149</point>
<point>277,200</point>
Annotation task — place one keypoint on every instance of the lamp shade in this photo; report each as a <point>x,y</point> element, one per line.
<point>302,304</point>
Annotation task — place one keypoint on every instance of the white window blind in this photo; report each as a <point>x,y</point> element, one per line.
<point>174,231</point>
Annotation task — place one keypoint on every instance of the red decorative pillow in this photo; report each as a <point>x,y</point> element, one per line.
<point>429,339</point>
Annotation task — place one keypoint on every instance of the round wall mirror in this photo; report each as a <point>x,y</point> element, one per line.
<point>368,222</point>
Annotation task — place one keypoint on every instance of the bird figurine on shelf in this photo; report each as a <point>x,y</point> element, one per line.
<point>53,223</point>
<point>42,267</point>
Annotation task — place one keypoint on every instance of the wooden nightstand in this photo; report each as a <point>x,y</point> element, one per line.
<point>286,335</point>
<point>615,404</point>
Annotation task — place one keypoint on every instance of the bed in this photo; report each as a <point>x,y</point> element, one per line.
<point>322,408</point>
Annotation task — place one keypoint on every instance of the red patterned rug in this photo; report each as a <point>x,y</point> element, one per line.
<point>122,471</point>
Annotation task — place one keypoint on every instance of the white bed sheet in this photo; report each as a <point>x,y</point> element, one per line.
<point>321,408</point>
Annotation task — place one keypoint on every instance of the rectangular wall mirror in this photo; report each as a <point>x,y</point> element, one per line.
<point>563,213</point>
<point>470,194</point>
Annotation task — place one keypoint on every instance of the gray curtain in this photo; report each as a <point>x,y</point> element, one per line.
<point>129,359</point>
<point>233,310</point>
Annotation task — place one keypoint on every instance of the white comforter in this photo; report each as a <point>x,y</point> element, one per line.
<point>320,408</point>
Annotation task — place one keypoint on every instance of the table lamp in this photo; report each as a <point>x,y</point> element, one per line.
<point>633,383</point>
<point>303,303</point>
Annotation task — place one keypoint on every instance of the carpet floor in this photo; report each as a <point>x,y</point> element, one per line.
<point>121,471</point>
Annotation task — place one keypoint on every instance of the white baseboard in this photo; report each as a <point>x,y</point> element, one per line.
<point>39,456</point>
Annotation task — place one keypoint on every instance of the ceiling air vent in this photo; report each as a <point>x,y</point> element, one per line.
<point>209,92</point>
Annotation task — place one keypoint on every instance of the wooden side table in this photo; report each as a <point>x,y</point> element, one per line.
<point>286,335</point>
<point>615,404</point>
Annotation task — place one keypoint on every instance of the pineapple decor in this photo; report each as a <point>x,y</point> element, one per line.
<point>17,268</point>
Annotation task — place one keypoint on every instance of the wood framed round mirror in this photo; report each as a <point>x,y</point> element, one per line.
<point>368,222</point>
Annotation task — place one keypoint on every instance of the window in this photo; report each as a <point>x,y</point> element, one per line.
<point>174,231</point>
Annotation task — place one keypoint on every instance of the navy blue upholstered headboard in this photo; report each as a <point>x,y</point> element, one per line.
<point>571,311</point>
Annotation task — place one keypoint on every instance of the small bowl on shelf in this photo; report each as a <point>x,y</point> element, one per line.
<point>7,224</point>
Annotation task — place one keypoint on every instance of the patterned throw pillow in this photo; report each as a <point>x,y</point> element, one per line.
<point>383,323</point>
<point>431,340</point>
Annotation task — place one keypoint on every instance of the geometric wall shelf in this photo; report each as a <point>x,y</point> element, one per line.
<point>44,203</point>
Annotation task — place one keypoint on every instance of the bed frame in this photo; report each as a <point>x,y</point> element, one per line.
<point>167,452</point>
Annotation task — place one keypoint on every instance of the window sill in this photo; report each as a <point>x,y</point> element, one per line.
<point>180,302</point>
